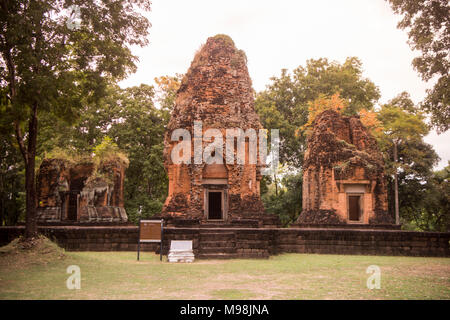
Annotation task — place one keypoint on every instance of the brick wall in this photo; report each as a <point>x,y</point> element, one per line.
<point>248,242</point>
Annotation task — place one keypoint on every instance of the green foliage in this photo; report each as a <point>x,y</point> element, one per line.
<point>142,207</point>
<point>140,133</point>
<point>69,154</point>
<point>416,181</point>
<point>106,147</point>
<point>426,206</point>
<point>12,184</point>
<point>400,125</point>
<point>65,67</point>
<point>285,199</point>
<point>404,126</point>
<point>108,150</point>
<point>428,29</point>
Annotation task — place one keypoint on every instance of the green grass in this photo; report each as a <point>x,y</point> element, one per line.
<point>117,275</point>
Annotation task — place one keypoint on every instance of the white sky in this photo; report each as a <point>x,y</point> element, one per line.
<point>284,34</point>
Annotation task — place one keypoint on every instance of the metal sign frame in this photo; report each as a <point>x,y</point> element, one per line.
<point>150,240</point>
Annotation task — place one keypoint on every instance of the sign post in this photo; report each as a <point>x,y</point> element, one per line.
<point>151,231</point>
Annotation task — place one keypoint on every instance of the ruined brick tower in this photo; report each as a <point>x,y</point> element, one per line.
<point>216,91</point>
<point>343,177</point>
<point>81,192</point>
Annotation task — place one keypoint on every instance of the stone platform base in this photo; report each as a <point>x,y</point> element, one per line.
<point>266,221</point>
<point>89,214</point>
<point>353,226</point>
<point>221,243</point>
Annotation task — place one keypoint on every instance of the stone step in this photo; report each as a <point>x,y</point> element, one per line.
<point>252,256</point>
<point>216,230</point>
<point>217,244</point>
<point>216,236</point>
<point>217,256</point>
<point>230,224</point>
<point>211,250</point>
<point>254,244</point>
<point>215,225</point>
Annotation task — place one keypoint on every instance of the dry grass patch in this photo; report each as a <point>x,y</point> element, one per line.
<point>117,275</point>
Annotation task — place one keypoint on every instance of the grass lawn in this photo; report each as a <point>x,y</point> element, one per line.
<point>117,275</point>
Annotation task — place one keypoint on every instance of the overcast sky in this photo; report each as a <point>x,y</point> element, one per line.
<point>284,34</point>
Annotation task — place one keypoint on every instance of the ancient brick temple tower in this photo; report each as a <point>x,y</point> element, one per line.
<point>343,179</point>
<point>217,91</point>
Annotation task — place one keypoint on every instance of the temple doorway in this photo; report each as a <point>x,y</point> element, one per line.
<point>72,213</point>
<point>215,205</point>
<point>76,186</point>
<point>354,207</point>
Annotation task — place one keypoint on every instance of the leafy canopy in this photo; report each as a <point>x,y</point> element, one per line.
<point>428,26</point>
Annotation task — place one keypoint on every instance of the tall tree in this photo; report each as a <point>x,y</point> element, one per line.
<point>428,25</point>
<point>140,133</point>
<point>52,63</point>
<point>401,126</point>
<point>420,200</point>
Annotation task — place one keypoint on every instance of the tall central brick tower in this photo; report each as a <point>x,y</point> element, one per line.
<point>217,92</point>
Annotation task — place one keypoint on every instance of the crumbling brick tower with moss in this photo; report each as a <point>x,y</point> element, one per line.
<point>217,91</point>
<point>343,176</point>
<point>82,190</point>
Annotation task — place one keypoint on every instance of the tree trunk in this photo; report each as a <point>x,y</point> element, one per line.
<point>29,153</point>
<point>3,198</point>
<point>276,184</point>
<point>30,185</point>
<point>2,206</point>
<point>397,214</point>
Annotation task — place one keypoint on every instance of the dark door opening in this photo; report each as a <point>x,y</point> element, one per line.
<point>214,205</point>
<point>73,206</point>
<point>354,208</point>
<point>76,185</point>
